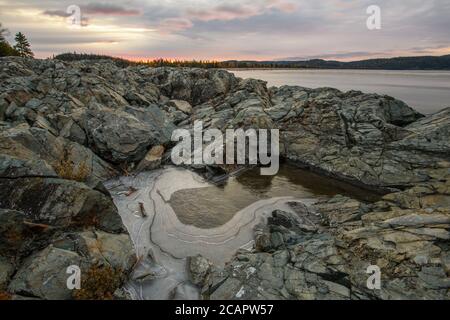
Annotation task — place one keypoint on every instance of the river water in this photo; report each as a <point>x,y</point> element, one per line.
<point>425,91</point>
<point>186,215</point>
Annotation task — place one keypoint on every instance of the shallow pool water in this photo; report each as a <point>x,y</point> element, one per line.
<point>215,205</point>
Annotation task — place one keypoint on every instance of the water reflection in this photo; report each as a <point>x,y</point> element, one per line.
<point>214,206</point>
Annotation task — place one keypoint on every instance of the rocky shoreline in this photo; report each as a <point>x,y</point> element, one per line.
<point>65,128</point>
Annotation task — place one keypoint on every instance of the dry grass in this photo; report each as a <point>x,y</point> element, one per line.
<point>66,169</point>
<point>99,283</point>
<point>124,169</point>
<point>5,295</point>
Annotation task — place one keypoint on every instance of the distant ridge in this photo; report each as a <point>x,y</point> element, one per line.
<point>398,63</point>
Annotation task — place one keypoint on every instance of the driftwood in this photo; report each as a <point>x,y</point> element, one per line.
<point>142,210</point>
<point>36,225</point>
<point>129,192</point>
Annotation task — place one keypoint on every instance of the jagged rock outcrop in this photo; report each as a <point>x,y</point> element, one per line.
<point>66,127</point>
<point>361,138</point>
<point>407,240</point>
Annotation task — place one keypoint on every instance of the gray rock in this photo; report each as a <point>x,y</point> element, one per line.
<point>199,268</point>
<point>79,120</point>
<point>139,130</point>
<point>6,271</point>
<point>60,203</point>
<point>43,275</point>
<point>181,105</point>
<point>152,159</point>
<point>36,152</point>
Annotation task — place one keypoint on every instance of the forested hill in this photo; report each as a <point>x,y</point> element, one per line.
<point>400,63</point>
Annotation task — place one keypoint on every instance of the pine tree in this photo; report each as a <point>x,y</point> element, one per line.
<point>22,46</point>
<point>3,32</point>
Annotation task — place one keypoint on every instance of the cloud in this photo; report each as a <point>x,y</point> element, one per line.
<point>362,55</point>
<point>224,12</point>
<point>56,13</point>
<point>170,25</point>
<point>332,56</point>
<point>74,40</point>
<point>94,9</point>
<point>235,29</point>
<point>241,10</point>
<point>64,14</point>
<point>108,9</point>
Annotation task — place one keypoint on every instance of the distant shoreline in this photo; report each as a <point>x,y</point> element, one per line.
<point>331,69</point>
<point>425,63</point>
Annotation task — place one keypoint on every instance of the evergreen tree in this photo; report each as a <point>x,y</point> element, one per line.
<point>5,47</point>
<point>6,50</point>
<point>22,46</point>
<point>3,32</point>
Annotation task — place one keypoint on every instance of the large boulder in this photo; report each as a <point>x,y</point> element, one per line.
<point>196,86</point>
<point>366,139</point>
<point>44,274</point>
<point>36,152</point>
<point>60,203</point>
<point>122,136</point>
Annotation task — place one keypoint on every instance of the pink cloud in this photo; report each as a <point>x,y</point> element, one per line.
<point>174,25</point>
<point>108,9</point>
<point>226,12</point>
<point>284,6</point>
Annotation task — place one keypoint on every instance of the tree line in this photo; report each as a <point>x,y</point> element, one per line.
<point>21,48</point>
<point>160,62</point>
<point>400,63</point>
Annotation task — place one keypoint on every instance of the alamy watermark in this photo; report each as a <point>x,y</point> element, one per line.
<point>374,20</point>
<point>211,147</point>
<point>74,280</point>
<point>73,16</point>
<point>374,280</point>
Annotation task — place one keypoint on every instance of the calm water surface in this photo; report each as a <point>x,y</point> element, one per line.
<point>425,91</point>
<point>214,206</point>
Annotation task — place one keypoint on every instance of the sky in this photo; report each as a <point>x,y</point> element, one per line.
<point>231,29</point>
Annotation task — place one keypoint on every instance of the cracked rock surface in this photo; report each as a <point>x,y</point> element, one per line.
<point>67,127</point>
